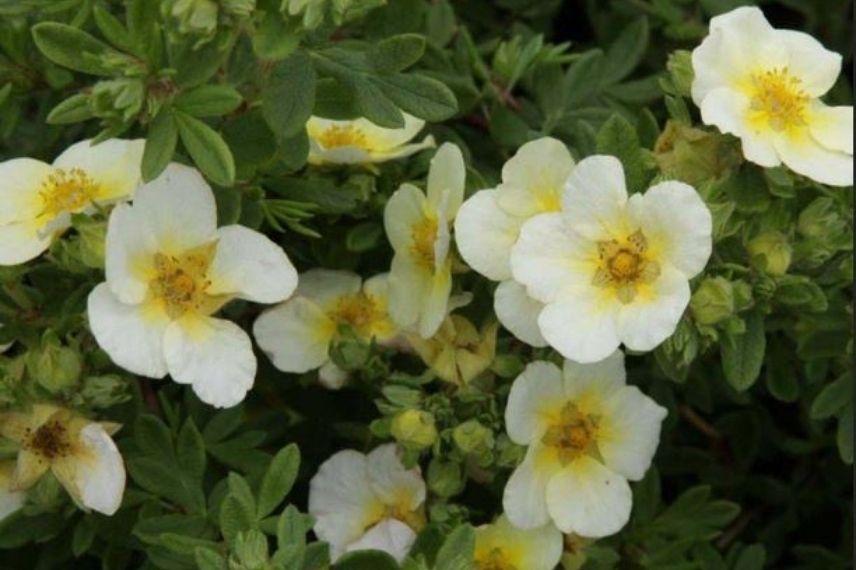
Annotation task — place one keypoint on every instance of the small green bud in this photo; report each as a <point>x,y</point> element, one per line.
<point>445,478</point>
<point>105,391</point>
<point>193,17</point>
<point>118,98</point>
<point>713,301</point>
<point>680,66</point>
<point>414,429</point>
<point>240,8</point>
<point>350,352</point>
<point>694,155</point>
<point>473,437</point>
<point>54,366</point>
<point>821,219</point>
<point>770,252</point>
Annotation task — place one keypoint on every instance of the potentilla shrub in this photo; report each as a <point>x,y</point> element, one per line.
<point>425,285</point>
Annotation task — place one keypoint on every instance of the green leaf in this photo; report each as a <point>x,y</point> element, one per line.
<point>207,149</point>
<point>366,560</point>
<point>152,436</point>
<point>617,137</point>
<point>72,48</point>
<point>235,518</point>
<point>209,100</point>
<point>291,527</point>
<point>289,96</point>
<point>397,53</point>
<point>751,558</point>
<point>160,144</point>
<point>165,480</point>
<point>419,95</point>
<point>373,104</point>
<point>743,354</point>
<point>276,38</point>
<point>457,550</point>
<point>278,480</point>
<point>112,29</point>
<point>833,398</point>
<point>207,559</point>
<point>72,110</point>
<point>624,54</point>
<point>190,450</point>
<point>844,436</point>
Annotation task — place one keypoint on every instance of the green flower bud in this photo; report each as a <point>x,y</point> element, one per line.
<point>713,301</point>
<point>54,366</point>
<point>193,17</point>
<point>680,66</point>
<point>118,98</point>
<point>821,219</point>
<point>105,391</point>
<point>414,429</point>
<point>770,252</point>
<point>240,8</point>
<point>473,437</point>
<point>445,478</point>
<point>92,234</point>
<point>311,11</point>
<point>693,155</point>
<point>350,352</point>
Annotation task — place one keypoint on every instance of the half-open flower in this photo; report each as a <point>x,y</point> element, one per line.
<point>169,269</point>
<point>458,352</point>
<point>78,451</point>
<point>489,223</point>
<point>587,433</point>
<point>360,141</point>
<point>764,86</point>
<point>367,502</point>
<point>417,225</point>
<point>297,334</point>
<point>38,198</point>
<point>612,269</point>
<point>501,546</point>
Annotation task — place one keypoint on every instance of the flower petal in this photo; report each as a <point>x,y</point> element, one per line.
<point>816,67</point>
<point>20,242</point>
<point>654,314</point>
<point>390,536</point>
<point>214,355</point>
<point>805,156</point>
<point>534,178</point>
<point>518,312</point>
<point>485,234</point>
<point>22,181</point>
<point>446,179</point>
<point>535,396</point>
<point>525,497</point>
<point>383,139</point>
<point>295,335</point>
<point>832,127</point>
<point>603,377</point>
<point>131,334</point>
<point>405,208</point>
<point>630,432</point>
<point>409,287</point>
<point>588,499</point>
<point>101,476</point>
<point>113,164</point>
<point>594,198</point>
<point>326,286</point>
<point>582,326</point>
<point>533,549</point>
<point>179,208</point>
<point>250,266</point>
<point>391,482</point>
<point>129,254</point>
<point>677,224</point>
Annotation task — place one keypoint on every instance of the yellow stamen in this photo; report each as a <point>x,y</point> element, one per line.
<point>424,234</point>
<point>181,282</point>
<point>624,265</point>
<point>574,435</point>
<point>342,135</point>
<point>51,440</point>
<point>67,191</point>
<point>778,99</point>
<point>494,559</point>
<point>362,311</point>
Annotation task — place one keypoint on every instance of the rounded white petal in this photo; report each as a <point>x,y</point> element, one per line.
<point>446,179</point>
<point>594,198</point>
<point>525,497</point>
<point>603,377</point>
<point>518,312</point>
<point>806,156</point>
<point>405,208</point>
<point>295,335</point>
<point>390,536</point>
<point>113,164</point>
<point>534,178</point>
<point>20,242</point>
<point>535,396</point>
<point>435,306</point>
<point>331,376</point>
<point>582,326</point>
<point>816,67</point>
<point>326,286</point>
<point>726,109</point>
<point>532,549</point>
<point>485,233</point>
<point>179,208</point>
<point>653,316</point>
<point>391,482</point>
<point>341,500</point>
<point>129,254</point>
<point>101,475</point>
<point>19,193</point>
<point>131,334</point>
<point>630,432</point>
<point>588,499</point>
<point>832,127</point>
<point>409,289</point>
<point>383,139</point>
<point>250,266</point>
<point>378,287</point>
<point>549,259</point>
<point>677,224</point>
<point>214,355</point>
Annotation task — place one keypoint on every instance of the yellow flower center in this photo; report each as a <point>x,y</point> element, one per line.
<point>181,282</point>
<point>778,99</point>
<point>624,266</point>
<point>50,440</point>
<point>493,559</point>
<point>67,191</point>
<point>574,435</point>
<point>423,235</point>
<point>548,200</point>
<point>342,135</point>
<point>363,312</point>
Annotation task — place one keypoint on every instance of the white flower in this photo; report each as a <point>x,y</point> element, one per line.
<point>38,199</point>
<point>764,86</point>
<point>169,268</point>
<point>612,269</point>
<point>360,141</point>
<point>587,433</point>
<point>489,223</point>
<point>79,452</point>
<point>501,546</point>
<point>369,501</point>
<point>297,334</point>
<point>417,226</point>
<point>10,501</point>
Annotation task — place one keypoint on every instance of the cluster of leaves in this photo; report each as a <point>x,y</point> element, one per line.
<point>752,469</point>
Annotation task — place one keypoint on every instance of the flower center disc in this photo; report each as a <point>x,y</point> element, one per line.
<point>624,266</point>
<point>67,191</point>
<point>181,281</point>
<point>342,135</point>
<point>360,311</point>
<point>494,560</point>
<point>778,99</point>
<point>50,440</point>
<point>575,435</point>
<point>424,234</point>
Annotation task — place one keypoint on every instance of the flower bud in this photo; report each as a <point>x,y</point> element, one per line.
<point>445,478</point>
<point>770,252</point>
<point>92,234</point>
<point>241,8</point>
<point>713,301</point>
<point>105,391</point>
<point>193,17</point>
<point>693,155</point>
<point>414,429</point>
<point>54,366</point>
<point>821,219</point>
<point>458,352</point>
<point>472,437</point>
